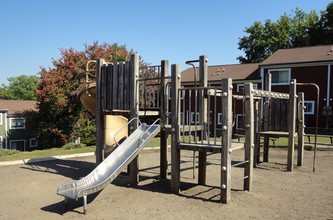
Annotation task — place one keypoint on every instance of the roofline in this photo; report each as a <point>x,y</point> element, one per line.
<point>303,64</point>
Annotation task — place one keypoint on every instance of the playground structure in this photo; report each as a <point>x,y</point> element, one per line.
<point>189,114</point>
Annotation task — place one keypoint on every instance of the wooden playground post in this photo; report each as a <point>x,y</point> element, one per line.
<point>164,137</point>
<point>99,151</point>
<point>203,78</point>
<point>300,126</point>
<point>175,120</point>
<point>134,112</point>
<point>292,122</point>
<point>226,140</point>
<point>257,123</point>
<point>249,136</point>
<point>266,105</point>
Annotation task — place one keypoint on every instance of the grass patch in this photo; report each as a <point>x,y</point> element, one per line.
<point>6,152</point>
<point>46,153</point>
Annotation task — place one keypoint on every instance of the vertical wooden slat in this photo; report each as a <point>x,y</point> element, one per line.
<point>109,86</point>
<point>292,122</point>
<point>300,129</point>
<point>227,119</point>
<point>120,98</point>
<point>126,86</point>
<point>175,111</point>
<point>163,103</point>
<point>134,74</point>
<point>115,87</point>
<point>249,136</point>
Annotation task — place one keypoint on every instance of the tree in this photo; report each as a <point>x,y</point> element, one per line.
<point>287,32</point>
<point>20,88</point>
<point>61,116</point>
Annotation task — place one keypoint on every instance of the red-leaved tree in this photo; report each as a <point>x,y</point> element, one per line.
<point>61,116</point>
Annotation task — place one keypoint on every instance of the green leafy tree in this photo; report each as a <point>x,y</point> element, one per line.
<point>20,88</point>
<point>61,116</point>
<point>287,32</point>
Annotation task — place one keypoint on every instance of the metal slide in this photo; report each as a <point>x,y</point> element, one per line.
<point>111,167</point>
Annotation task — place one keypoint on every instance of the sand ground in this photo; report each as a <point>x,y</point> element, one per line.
<point>28,191</point>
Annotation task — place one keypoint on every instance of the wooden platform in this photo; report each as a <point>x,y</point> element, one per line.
<point>204,147</point>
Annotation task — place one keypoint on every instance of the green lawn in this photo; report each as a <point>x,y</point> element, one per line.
<point>154,143</point>
<point>44,153</point>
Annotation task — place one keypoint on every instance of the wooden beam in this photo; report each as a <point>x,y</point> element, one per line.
<point>134,107</point>
<point>292,125</point>
<point>203,82</point>
<point>267,87</point>
<point>249,136</point>
<point>164,133</point>
<point>227,119</point>
<point>99,151</point>
<point>175,121</point>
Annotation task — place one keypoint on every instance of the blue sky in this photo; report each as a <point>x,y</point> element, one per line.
<point>33,31</point>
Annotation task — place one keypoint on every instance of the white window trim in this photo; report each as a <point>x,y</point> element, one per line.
<point>193,117</point>
<point>289,76</point>
<point>32,139</point>
<point>10,123</point>
<point>238,115</point>
<point>255,86</point>
<point>1,142</point>
<point>219,118</point>
<point>1,115</point>
<point>313,107</point>
<point>11,141</point>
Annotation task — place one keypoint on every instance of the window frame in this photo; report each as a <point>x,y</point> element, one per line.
<point>255,86</point>
<point>11,124</point>
<point>237,121</point>
<point>282,69</point>
<point>33,139</point>
<point>313,107</point>
<point>19,140</point>
<point>193,118</point>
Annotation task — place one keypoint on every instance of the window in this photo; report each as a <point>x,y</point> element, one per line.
<point>240,87</point>
<point>0,118</point>
<point>280,76</point>
<point>219,118</point>
<point>309,107</point>
<point>195,119</point>
<point>17,145</point>
<point>33,142</point>
<point>239,121</point>
<point>17,123</point>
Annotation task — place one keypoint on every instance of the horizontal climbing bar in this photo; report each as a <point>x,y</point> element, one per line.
<point>240,179</point>
<point>267,94</point>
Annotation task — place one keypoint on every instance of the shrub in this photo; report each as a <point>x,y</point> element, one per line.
<point>71,145</point>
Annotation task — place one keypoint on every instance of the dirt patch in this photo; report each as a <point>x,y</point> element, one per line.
<point>29,191</point>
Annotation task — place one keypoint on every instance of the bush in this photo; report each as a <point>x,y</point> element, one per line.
<point>71,145</point>
<point>5,152</point>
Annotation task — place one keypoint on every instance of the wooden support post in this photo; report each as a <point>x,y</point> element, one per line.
<point>249,136</point>
<point>203,82</point>
<point>226,140</point>
<point>164,135</point>
<point>267,87</point>
<point>256,134</point>
<point>175,120</point>
<point>100,131</point>
<point>292,125</point>
<point>300,126</point>
<point>134,112</point>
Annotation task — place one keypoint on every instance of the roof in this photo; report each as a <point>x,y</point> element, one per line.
<point>16,107</point>
<point>234,71</point>
<point>301,55</point>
